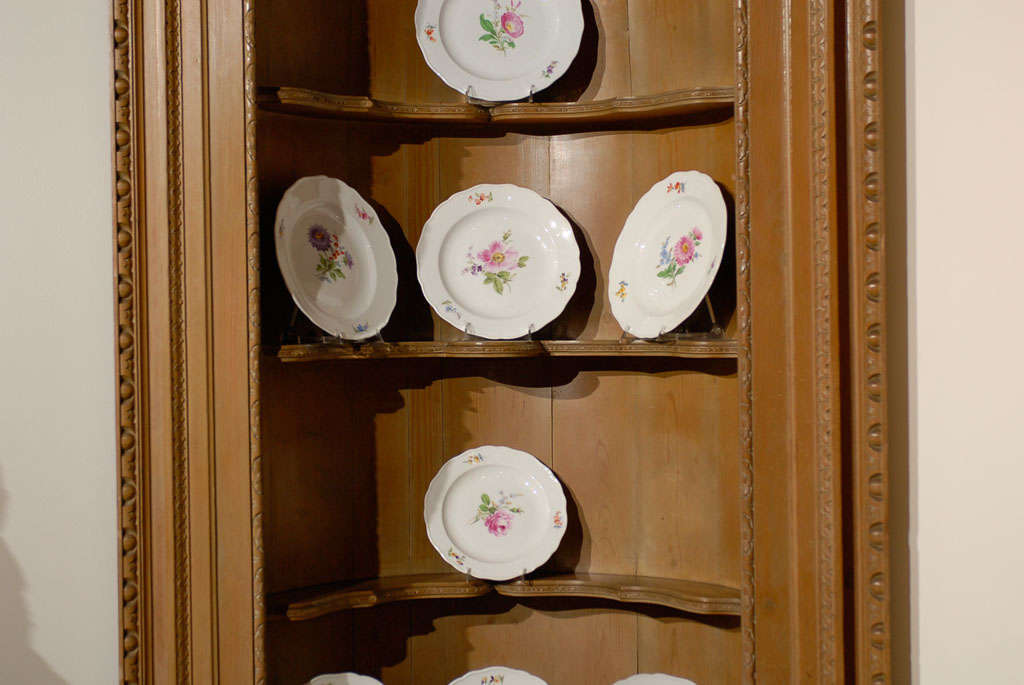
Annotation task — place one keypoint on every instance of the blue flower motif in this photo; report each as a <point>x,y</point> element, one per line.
<point>665,256</point>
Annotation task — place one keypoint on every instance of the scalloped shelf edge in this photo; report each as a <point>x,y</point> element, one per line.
<point>308,102</point>
<point>715,348</point>
<point>683,595</point>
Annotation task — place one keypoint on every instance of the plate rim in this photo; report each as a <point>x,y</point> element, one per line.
<point>462,463</point>
<point>653,678</point>
<point>631,320</point>
<point>437,294</point>
<point>428,14</point>
<point>378,238</point>
<point>508,670</point>
<point>352,678</point>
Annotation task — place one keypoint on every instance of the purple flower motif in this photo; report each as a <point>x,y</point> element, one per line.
<point>346,259</point>
<point>319,238</point>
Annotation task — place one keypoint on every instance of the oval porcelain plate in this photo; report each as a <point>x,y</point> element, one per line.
<point>495,512</point>
<point>653,679</point>
<point>499,49</point>
<point>335,257</point>
<point>344,679</point>
<point>498,675</point>
<point>499,259</point>
<point>667,254</point>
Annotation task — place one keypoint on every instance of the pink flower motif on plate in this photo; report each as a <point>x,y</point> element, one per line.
<point>498,523</point>
<point>559,520</point>
<point>498,263</point>
<point>674,260</point>
<point>683,250</point>
<point>496,513</point>
<point>512,24</point>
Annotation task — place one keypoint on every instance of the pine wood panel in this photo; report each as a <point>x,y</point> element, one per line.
<point>689,648</point>
<point>676,44</point>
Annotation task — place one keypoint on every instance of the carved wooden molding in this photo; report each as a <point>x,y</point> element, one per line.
<point>869,450</point>
<point>253,333</point>
<point>825,374</point>
<point>746,404</point>
<point>132,569</point>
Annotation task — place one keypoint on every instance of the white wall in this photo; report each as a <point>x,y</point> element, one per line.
<point>58,532</point>
<point>965,98</point>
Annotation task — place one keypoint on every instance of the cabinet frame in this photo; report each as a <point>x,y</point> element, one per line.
<point>188,343</point>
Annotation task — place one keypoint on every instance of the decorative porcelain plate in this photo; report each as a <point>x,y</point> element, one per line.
<point>499,259</point>
<point>653,679</point>
<point>499,49</point>
<point>495,512</point>
<point>335,257</point>
<point>344,679</point>
<point>498,675</point>
<point>667,254</point>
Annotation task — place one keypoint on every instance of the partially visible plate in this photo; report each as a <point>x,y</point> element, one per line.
<point>498,675</point>
<point>653,679</point>
<point>344,679</point>
<point>668,254</point>
<point>499,49</point>
<point>495,512</point>
<point>498,258</point>
<point>335,257</point>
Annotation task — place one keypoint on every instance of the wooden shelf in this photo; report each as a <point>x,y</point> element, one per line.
<point>696,347</point>
<point>305,604</point>
<point>682,595</point>
<point>676,103</point>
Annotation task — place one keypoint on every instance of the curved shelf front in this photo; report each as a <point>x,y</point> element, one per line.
<point>694,347</point>
<point>302,605</point>
<point>691,101</point>
<point>682,595</point>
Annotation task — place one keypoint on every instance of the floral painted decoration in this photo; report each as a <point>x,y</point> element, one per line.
<point>673,261</point>
<point>492,680</point>
<point>364,215</point>
<point>361,327</point>
<point>459,559</point>
<point>549,69</point>
<point>621,292</point>
<point>504,24</point>
<point>496,513</point>
<point>563,282</point>
<point>498,263</point>
<point>678,186</point>
<point>474,459</point>
<point>480,198</point>
<point>430,30</point>
<point>450,307</point>
<point>559,521</point>
<point>332,255</point>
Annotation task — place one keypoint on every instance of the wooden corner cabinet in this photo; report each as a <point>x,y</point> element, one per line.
<point>726,486</point>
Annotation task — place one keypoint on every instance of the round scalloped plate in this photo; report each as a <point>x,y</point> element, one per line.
<point>498,675</point>
<point>499,50</point>
<point>495,512</point>
<point>668,254</point>
<point>335,257</point>
<point>497,261</point>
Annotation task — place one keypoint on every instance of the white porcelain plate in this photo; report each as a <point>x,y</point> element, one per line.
<point>667,254</point>
<point>499,49</point>
<point>498,675</point>
<point>344,679</point>
<point>499,259</point>
<point>335,257</point>
<point>653,679</point>
<point>495,512</point>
